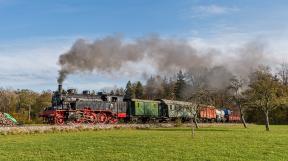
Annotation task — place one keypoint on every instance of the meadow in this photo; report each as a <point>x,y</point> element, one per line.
<point>213,143</point>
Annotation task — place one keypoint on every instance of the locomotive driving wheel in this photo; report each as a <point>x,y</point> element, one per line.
<point>91,118</point>
<point>59,120</point>
<point>112,120</point>
<point>101,117</point>
<point>77,121</point>
<point>77,118</point>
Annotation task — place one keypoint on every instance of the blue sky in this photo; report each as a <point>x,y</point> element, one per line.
<point>34,33</point>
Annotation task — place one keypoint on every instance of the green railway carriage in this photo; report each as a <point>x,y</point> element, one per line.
<point>144,108</point>
<point>161,109</point>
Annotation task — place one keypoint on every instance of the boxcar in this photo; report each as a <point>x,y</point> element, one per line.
<point>208,114</point>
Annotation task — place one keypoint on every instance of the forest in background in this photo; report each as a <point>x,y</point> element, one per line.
<point>264,94</point>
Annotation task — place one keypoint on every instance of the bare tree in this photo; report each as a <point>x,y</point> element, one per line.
<point>199,97</point>
<point>236,85</point>
<point>193,110</point>
<point>283,73</point>
<point>8,100</point>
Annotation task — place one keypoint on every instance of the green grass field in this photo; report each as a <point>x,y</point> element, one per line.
<point>210,143</point>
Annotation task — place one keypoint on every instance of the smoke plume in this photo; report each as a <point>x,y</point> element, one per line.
<point>165,55</point>
<point>109,54</point>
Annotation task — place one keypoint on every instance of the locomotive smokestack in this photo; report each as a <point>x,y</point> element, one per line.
<point>60,88</point>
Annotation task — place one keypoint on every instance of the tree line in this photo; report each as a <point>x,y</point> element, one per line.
<point>24,105</point>
<point>262,97</point>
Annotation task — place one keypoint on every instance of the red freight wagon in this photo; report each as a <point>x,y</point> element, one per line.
<point>234,118</point>
<point>208,113</point>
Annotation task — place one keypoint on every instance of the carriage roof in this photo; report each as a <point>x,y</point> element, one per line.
<point>140,100</point>
<point>181,103</point>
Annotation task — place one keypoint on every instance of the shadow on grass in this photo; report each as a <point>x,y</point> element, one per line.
<point>188,129</point>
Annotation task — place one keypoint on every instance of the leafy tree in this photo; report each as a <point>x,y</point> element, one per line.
<point>154,88</point>
<point>266,93</point>
<point>42,101</point>
<point>139,90</point>
<point>26,98</point>
<point>280,115</point>
<point>168,88</point>
<point>129,91</point>
<point>180,85</point>
<point>165,85</point>
<point>117,92</point>
<point>112,93</point>
<point>121,91</point>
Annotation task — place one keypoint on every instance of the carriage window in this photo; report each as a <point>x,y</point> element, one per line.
<point>114,99</point>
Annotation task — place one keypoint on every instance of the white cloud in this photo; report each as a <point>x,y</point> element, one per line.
<point>208,10</point>
<point>31,63</point>
<point>228,44</point>
<point>212,9</point>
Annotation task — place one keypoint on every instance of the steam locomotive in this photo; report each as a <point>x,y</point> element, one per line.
<point>91,108</point>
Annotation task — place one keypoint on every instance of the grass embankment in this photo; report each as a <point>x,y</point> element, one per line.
<point>210,143</point>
